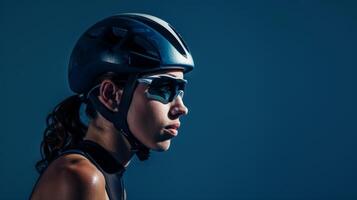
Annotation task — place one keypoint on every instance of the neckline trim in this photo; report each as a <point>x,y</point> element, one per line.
<point>102,157</point>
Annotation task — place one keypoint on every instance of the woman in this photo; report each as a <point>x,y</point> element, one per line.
<point>128,72</point>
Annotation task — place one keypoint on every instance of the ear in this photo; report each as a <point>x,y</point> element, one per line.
<point>110,95</point>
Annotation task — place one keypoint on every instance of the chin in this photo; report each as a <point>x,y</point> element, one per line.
<point>162,146</point>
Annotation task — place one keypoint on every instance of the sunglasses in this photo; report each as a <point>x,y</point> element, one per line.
<point>164,88</point>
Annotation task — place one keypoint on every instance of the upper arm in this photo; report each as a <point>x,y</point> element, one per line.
<point>78,180</point>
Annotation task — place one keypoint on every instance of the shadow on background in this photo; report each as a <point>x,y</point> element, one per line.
<point>272,98</point>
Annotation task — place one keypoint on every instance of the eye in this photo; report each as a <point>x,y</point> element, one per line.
<point>164,88</point>
<point>162,91</point>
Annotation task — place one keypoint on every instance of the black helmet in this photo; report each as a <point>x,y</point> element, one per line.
<point>127,44</point>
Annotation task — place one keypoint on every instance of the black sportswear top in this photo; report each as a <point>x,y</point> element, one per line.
<point>110,168</point>
<point>105,162</point>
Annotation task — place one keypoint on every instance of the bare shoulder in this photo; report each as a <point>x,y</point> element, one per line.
<point>71,176</point>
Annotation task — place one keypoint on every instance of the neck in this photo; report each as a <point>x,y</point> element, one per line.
<point>105,134</point>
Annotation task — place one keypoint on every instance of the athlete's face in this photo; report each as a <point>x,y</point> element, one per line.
<point>152,122</point>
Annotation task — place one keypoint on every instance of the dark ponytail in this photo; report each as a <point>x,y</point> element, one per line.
<point>64,130</point>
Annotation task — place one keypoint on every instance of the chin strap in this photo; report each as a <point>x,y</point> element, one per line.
<point>119,119</point>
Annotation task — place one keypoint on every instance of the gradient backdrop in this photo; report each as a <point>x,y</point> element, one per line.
<point>272,98</point>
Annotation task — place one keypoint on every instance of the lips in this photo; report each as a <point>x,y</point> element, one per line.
<point>173,126</point>
<point>172,129</point>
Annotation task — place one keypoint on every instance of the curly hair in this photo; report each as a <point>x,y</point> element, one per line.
<point>64,127</point>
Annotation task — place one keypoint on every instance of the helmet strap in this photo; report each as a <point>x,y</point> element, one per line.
<point>119,119</point>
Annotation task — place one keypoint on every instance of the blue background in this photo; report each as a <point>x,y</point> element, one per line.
<point>272,98</point>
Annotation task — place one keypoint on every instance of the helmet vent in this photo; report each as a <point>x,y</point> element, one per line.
<point>164,32</point>
<point>179,36</point>
<point>119,32</point>
<point>143,46</point>
<point>96,32</point>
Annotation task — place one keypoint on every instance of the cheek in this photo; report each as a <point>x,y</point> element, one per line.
<point>146,117</point>
<point>151,116</point>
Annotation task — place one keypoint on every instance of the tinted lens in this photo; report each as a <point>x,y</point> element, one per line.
<point>163,91</point>
<point>166,88</point>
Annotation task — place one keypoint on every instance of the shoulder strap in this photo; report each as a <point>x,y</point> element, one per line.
<point>106,164</point>
<point>95,163</point>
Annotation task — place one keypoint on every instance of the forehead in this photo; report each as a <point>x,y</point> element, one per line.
<point>172,72</point>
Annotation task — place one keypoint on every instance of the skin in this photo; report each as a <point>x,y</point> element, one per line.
<point>149,120</point>
<point>74,177</point>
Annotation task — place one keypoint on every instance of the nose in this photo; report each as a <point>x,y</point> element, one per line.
<point>178,108</point>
